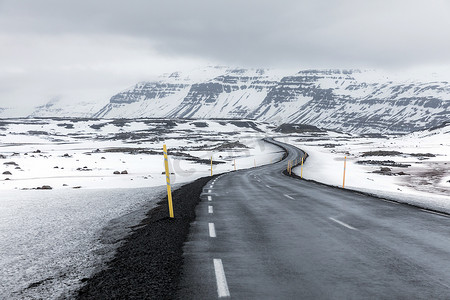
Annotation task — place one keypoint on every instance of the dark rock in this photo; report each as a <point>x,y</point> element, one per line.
<point>66,125</point>
<point>84,169</point>
<point>423,154</point>
<point>7,173</point>
<point>124,172</point>
<point>389,163</point>
<point>381,153</point>
<point>200,124</point>
<point>297,128</point>
<point>44,187</point>
<point>116,173</point>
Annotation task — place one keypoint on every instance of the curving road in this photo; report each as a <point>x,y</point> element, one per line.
<point>263,235</point>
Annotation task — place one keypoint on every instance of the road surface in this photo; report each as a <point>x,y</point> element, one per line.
<point>263,235</point>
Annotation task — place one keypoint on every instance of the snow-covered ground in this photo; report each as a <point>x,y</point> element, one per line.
<point>50,240</point>
<point>414,168</point>
<point>85,153</point>
<point>53,238</point>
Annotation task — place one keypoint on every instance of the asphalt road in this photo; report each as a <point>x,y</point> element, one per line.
<point>276,237</point>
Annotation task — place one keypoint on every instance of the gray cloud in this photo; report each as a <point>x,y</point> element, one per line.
<point>294,34</point>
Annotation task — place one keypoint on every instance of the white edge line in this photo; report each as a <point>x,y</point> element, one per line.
<point>343,224</point>
<point>393,202</point>
<point>212,230</point>
<point>434,213</point>
<point>268,186</point>
<point>287,196</point>
<point>209,198</point>
<point>210,209</point>
<point>222,286</point>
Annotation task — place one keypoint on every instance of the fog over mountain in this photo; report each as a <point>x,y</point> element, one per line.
<point>87,51</point>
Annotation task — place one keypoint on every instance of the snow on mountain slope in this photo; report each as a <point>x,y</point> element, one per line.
<point>233,94</point>
<point>212,92</point>
<point>351,101</point>
<point>58,108</point>
<point>347,100</point>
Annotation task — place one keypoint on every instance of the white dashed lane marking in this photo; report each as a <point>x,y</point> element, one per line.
<point>210,209</point>
<point>222,286</point>
<point>212,230</point>
<point>287,196</point>
<point>343,224</point>
<point>209,198</point>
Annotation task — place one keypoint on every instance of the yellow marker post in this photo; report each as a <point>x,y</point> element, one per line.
<point>169,191</point>
<point>290,168</point>
<point>211,165</point>
<point>301,170</point>
<point>235,165</point>
<point>345,165</point>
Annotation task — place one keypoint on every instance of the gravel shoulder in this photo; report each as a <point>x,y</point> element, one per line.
<point>148,264</point>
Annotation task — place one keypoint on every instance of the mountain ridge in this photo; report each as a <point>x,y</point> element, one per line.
<point>359,101</point>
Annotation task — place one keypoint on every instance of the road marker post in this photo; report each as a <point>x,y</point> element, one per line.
<point>211,165</point>
<point>301,170</point>
<point>254,162</point>
<point>235,165</point>
<point>290,168</point>
<point>169,191</point>
<point>345,166</point>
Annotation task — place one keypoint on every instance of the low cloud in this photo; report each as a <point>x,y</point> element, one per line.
<point>106,45</point>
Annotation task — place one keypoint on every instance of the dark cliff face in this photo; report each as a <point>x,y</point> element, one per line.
<point>147,91</point>
<point>207,93</point>
<point>335,99</point>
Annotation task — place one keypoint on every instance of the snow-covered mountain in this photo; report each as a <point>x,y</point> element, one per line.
<point>57,108</point>
<point>218,92</point>
<point>346,100</point>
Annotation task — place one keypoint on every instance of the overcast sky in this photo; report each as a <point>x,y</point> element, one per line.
<point>89,50</point>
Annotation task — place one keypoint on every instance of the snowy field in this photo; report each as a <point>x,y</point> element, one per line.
<point>62,208</point>
<point>51,240</point>
<point>413,168</point>
<point>69,187</point>
<point>85,153</point>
